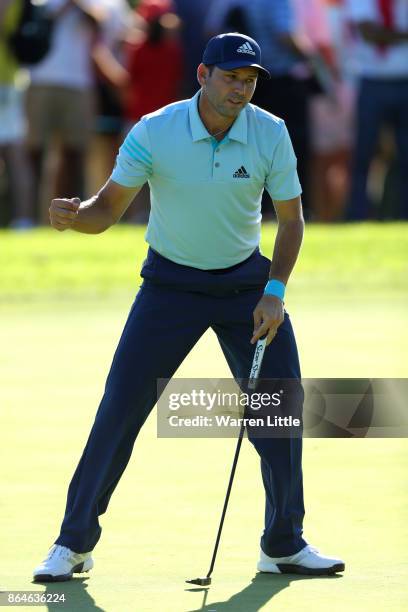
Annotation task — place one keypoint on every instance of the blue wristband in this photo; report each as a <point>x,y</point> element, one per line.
<point>275,287</point>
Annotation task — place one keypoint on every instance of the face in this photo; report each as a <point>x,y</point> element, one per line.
<point>228,91</point>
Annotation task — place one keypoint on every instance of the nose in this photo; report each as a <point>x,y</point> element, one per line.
<point>240,87</point>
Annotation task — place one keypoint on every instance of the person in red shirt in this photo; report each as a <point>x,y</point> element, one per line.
<point>155,63</point>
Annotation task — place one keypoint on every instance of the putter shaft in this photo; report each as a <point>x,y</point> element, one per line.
<point>253,378</point>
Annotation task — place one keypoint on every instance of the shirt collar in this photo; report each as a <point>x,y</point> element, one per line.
<point>238,131</point>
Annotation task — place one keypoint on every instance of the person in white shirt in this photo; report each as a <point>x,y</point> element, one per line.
<point>60,96</point>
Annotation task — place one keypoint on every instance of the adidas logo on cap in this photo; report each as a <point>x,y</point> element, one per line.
<point>246,48</point>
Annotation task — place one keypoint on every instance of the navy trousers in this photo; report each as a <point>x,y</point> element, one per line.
<point>173,309</point>
<point>379,101</point>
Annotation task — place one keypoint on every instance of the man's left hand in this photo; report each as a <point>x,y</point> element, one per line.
<point>268,315</point>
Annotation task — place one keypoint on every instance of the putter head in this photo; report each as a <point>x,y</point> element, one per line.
<point>200,581</point>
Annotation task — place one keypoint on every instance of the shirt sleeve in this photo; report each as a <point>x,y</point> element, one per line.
<point>282,182</point>
<point>133,165</point>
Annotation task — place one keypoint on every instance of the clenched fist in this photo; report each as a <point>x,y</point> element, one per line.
<point>63,212</point>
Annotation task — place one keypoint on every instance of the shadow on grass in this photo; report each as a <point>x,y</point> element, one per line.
<point>252,598</point>
<point>76,596</point>
<point>262,588</point>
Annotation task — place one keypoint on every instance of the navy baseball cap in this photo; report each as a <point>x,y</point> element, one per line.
<point>234,50</point>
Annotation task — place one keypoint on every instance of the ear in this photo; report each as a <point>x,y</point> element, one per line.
<point>202,74</point>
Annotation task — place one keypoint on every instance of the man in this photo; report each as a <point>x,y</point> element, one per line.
<point>285,54</point>
<point>207,161</point>
<point>382,97</point>
<point>60,98</point>
<point>192,15</point>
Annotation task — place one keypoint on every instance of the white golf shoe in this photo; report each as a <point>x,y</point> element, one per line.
<point>306,561</point>
<point>60,563</point>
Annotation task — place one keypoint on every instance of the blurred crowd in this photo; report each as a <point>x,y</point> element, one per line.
<point>92,68</point>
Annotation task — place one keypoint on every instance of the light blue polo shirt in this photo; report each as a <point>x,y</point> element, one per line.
<point>206,196</point>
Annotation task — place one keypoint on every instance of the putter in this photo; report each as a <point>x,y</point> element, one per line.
<point>253,379</point>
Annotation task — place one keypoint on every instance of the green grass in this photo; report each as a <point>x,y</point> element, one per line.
<point>63,302</point>
<point>367,258</point>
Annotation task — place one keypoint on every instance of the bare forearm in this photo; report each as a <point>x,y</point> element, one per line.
<point>287,246</point>
<point>93,217</point>
<point>109,67</point>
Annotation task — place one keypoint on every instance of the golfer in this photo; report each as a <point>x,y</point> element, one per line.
<point>207,161</point>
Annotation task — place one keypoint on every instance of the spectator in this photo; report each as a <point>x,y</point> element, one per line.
<point>60,97</point>
<point>330,109</point>
<point>342,37</point>
<point>284,54</point>
<point>12,122</point>
<point>226,15</point>
<point>192,14</point>
<point>382,49</point>
<point>331,144</point>
<point>155,63</point>
<point>111,78</point>
<point>155,68</point>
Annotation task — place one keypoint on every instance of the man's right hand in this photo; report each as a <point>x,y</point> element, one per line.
<point>63,213</point>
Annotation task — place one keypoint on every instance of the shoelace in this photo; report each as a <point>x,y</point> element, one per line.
<point>61,550</point>
<point>304,553</point>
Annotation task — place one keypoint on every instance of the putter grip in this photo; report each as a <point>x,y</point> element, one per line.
<point>257,362</point>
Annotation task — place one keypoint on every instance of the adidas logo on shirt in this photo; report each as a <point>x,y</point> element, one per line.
<point>241,173</point>
<point>246,48</point>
